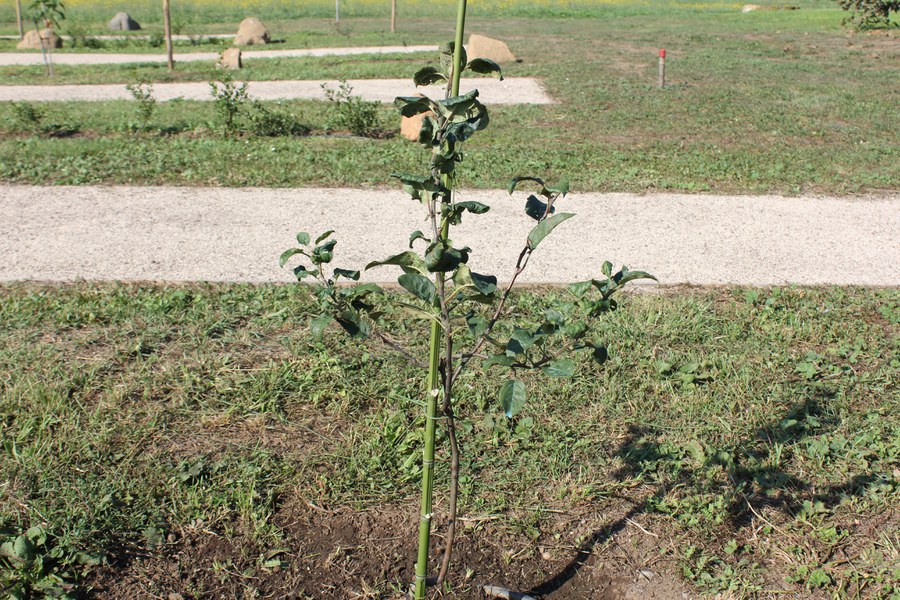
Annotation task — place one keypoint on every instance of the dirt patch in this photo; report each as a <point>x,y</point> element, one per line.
<point>370,553</point>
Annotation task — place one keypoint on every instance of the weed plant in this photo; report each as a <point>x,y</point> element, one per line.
<point>352,113</point>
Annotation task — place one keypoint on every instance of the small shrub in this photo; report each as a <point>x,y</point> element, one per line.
<point>229,99</point>
<point>142,92</point>
<point>353,113</point>
<point>870,14</point>
<point>27,116</point>
<point>157,40</point>
<point>266,122</point>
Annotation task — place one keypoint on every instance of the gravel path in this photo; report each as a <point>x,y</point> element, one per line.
<point>227,234</point>
<point>101,58</point>
<point>512,90</point>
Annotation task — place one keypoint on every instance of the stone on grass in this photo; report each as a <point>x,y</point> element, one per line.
<point>123,22</point>
<point>251,32</point>
<point>411,126</point>
<point>33,40</point>
<point>480,46</point>
<point>752,7</point>
<point>231,59</point>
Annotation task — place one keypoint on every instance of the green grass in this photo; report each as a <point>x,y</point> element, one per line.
<point>765,102</point>
<point>756,431</point>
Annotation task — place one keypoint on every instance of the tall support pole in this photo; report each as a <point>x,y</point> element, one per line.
<point>167,29</point>
<point>662,68</point>
<point>19,23</point>
<point>393,16</point>
<point>337,12</point>
<point>434,382</point>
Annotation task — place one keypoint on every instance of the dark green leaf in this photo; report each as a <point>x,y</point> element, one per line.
<point>287,254</point>
<point>564,367</point>
<point>418,285</point>
<point>624,276</point>
<point>301,272</point>
<point>323,253</point>
<point>486,284</point>
<point>354,275</point>
<point>446,51</point>
<point>428,131</point>
<point>554,316</point>
<point>454,211</point>
<point>512,397</point>
<point>485,67</point>
<point>303,238</point>
<point>411,106</point>
<point>520,341</point>
<point>428,76</point>
<point>406,260</point>
<point>361,291</point>
<point>457,105</point>
<point>536,209</point>
<point>354,325</point>
<point>442,259</point>
<point>543,229</point>
<point>606,268</point>
<point>417,235</point>
<point>417,186</point>
<point>562,188</point>
<point>498,359</point>
<point>516,180</point>
<point>477,325</point>
<point>324,235</point>
<point>580,288</point>
<point>317,326</point>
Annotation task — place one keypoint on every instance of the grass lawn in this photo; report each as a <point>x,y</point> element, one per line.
<point>783,101</point>
<point>194,440</point>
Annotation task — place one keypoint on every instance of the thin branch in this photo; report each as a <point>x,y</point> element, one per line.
<point>398,348</point>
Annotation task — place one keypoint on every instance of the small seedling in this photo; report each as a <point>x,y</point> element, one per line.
<point>351,112</point>
<point>142,92</point>
<point>229,100</point>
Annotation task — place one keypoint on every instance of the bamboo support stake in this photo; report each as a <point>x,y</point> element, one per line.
<point>393,16</point>
<point>434,382</point>
<point>19,23</point>
<point>167,28</point>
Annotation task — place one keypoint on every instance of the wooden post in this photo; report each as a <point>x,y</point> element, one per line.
<point>337,12</point>
<point>167,28</point>
<point>662,68</point>
<point>393,16</point>
<point>19,19</point>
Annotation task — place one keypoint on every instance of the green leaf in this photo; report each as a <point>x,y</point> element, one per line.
<point>485,67</point>
<point>606,268</point>
<point>624,276</point>
<point>543,229</point>
<point>324,235</point>
<point>477,325</point>
<point>560,368</point>
<point>354,275</point>
<point>446,51</point>
<point>580,288</point>
<point>519,342</point>
<point>486,284</point>
<point>317,326</point>
<point>411,106</point>
<point>498,359</point>
<point>418,185</point>
<point>418,285</point>
<point>303,238</point>
<point>323,253</point>
<point>354,325</point>
<point>536,209</point>
<point>287,254</point>
<point>428,76</point>
<point>554,316</point>
<point>454,211</point>
<point>361,291</point>
<point>515,181</point>
<point>406,260</point>
<point>512,397</point>
<point>562,188</point>
<point>301,272</point>
<point>442,259</point>
<point>457,105</point>
<point>417,235</point>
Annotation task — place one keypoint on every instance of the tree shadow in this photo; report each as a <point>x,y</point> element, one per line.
<point>753,478</point>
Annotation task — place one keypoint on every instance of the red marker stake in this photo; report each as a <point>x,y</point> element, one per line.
<point>662,68</point>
